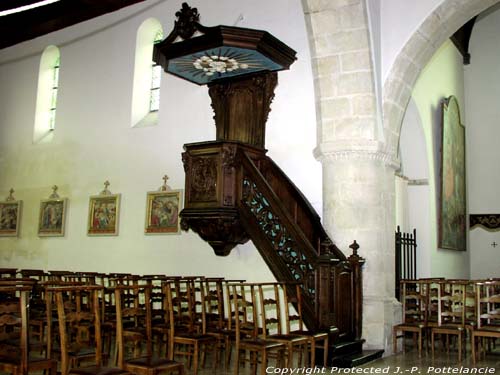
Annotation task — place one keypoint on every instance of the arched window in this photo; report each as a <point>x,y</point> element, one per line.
<point>154,97</point>
<point>46,100</point>
<point>147,74</point>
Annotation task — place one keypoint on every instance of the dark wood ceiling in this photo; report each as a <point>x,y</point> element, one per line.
<point>18,27</point>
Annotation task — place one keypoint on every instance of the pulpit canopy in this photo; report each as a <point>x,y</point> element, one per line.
<point>203,55</point>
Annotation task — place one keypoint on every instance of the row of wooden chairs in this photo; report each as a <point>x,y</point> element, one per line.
<point>450,308</point>
<point>182,316</point>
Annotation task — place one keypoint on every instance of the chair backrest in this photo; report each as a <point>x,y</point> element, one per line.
<point>78,311</point>
<point>293,301</point>
<point>157,297</point>
<point>135,312</point>
<point>8,272</point>
<point>245,310</point>
<point>228,301</point>
<point>213,300</point>
<point>183,303</point>
<point>14,323</point>
<point>415,299</point>
<point>270,308</point>
<point>451,302</point>
<point>488,304</point>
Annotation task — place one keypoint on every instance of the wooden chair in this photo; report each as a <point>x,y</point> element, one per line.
<point>272,322</point>
<point>135,307</point>
<point>183,332</point>
<point>415,299</point>
<point>8,272</point>
<point>216,324</point>
<point>451,313</point>
<point>253,344</point>
<point>14,336</point>
<point>488,315</point>
<point>315,339</point>
<point>37,304</point>
<point>146,365</point>
<point>79,319</point>
<point>158,312</point>
<point>221,317</point>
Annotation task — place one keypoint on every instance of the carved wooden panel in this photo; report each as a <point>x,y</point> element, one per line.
<point>289,251</point>
<point>241,107</point>
<point>203,179</point>
<point>342,296</point>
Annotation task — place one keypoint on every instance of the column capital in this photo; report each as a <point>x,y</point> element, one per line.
<point>355,150</point>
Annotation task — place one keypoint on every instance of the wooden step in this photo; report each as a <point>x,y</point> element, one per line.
<point>357,359</point>
<point>344,348</point>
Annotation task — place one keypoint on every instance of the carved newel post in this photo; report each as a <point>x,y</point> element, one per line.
<point>240,68</point>
<point>357,263</point>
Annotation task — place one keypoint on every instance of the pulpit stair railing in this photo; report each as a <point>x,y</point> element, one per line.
<point>274,212</point>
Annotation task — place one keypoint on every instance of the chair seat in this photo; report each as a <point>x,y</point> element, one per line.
<point>41,363</point>
<point>488,328</point>
<point>151,362</point>
<point>95,370</point>
<point>408,326</point>
<point>133,335</point>
<point>195,336</point>
<point>448,327</point>
<point>13,365</point>
<point>222,332</point>
<point>258,344</point>
<point>81,352</point>
<point>310,334</point>
<point>287,338</point>
<point>17,361</point>
<point>11,361</point>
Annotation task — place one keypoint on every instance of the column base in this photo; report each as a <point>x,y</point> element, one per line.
<point>380,314</point>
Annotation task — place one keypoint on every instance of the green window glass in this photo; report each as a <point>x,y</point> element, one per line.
<point>53,98</point>
<point>154,99</point>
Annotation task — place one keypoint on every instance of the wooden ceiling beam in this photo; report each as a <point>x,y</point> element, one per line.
<point>12,4</point>
<point>19,27</point>
<point>461,39</point>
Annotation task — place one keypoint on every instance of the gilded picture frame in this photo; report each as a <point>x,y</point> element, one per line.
<point>52,217</point>
<point>452,213</point>
<point>162,212</point>
<point>10,218</point>
<point>104,214</point>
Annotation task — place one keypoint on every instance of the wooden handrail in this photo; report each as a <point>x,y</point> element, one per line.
<point>271,171</point>
<point>251,169</point>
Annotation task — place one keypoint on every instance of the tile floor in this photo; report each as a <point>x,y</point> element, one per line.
<point>402,363</point>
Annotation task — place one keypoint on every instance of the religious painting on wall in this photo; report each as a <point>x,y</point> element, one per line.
<point>104,210</point>
<point>10,216</point>
<point>162,210</point>
<point>452,223</point>
<point>52,216</point>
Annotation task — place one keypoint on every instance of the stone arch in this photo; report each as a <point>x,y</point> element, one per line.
<point>448,17</point>
<point>356,146</point>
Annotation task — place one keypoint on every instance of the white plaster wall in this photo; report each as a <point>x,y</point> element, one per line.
<point>442,77</point>
<point>93,140</point>
<point>482,84</point>
<point>415,166</point>
<point>399,20</point>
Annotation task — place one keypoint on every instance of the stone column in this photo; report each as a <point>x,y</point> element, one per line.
<point>358,203</point>
<point>358,173</point>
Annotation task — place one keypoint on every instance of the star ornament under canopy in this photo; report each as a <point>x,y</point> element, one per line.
<point>203,55</point>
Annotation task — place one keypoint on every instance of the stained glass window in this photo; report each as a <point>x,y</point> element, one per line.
<point>53,98</point>
<point>154,100</point>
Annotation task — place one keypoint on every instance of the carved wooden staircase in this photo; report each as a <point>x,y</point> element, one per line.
<point>234,192</point>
